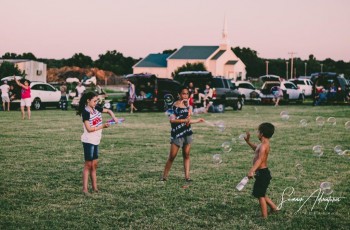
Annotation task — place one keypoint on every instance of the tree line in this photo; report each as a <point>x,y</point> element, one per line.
<point>117,63</point>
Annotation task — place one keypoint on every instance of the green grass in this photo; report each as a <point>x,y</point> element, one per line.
<point>41,164</point>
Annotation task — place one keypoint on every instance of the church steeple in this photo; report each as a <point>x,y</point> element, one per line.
<point>225,43</point>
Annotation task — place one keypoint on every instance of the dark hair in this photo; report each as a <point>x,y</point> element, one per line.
<point>82,103</point>
<point>182,88</point>
<point>266,129</point>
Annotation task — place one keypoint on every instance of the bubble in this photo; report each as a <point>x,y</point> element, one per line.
<point>220,125</point>
<point>226,147</point>
<point>317,150</point>
<point>241,138</point>
<point>217,159</point>
<point>284,115</point>
<point>320,121</point>
<point>234,141</point>
<point>332,121</point>
<point>347,125</point>
<point>299,167</point>
<point>338,149</point>
<point>345,153</point>
<point>168,99</point>
<point>303,123</point>
<point>326,188</point>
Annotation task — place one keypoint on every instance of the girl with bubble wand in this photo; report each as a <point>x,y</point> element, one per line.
<point>181,133</point>
<point>92,124</point>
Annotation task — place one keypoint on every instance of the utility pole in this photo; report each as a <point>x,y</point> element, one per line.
<point>267,67</point>
<point>291,64</point>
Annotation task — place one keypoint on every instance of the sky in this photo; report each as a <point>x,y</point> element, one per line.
<point>274,28</point>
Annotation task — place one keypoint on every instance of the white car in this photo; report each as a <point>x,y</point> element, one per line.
<point>248,91</point>
<point>42,94</point>
<point>305,85</point>
<point>290,91</point>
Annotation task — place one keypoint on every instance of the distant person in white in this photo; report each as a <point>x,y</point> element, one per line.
<point>5,88</point>
<point>80,89</point>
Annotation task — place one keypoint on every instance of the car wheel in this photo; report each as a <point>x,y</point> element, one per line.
<point>237,105</point>
<point>37,104</point>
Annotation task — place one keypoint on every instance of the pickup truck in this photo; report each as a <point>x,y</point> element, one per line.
<point>226,92</point>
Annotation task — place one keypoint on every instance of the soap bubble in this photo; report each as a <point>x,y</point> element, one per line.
<point>234,140</point>
<point>332,121</point>
<point>320,121</point>
<point>299,167</point>
<point>217,159</point>
<point>338,150</point>
<point>241,138</point>
<point>347,125</point>
<point>345,153</point>
<point>326,188</point>
<point>220,125</point>
<point>303,123</point>
<point>226,147</point>
<point>317,150</point>
<point>283,113</point>
<point>285,117</point>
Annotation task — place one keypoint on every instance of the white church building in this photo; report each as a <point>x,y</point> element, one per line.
<point>220,60</point>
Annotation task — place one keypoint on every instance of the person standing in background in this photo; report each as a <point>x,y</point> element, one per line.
<point>63,100</point>
<point>26,100</point>
<point>132,96</point>
<point>5,89</point>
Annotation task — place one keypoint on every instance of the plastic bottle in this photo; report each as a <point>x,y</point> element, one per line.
<point>241,184</point>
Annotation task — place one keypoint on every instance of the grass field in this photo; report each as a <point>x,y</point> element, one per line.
<point>42,160</point>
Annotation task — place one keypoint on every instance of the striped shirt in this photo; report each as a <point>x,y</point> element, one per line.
<point>95,120</point>
<point>180,129</point>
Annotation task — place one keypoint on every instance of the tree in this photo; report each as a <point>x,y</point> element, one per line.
<point>115,62</point>
<point>199,66</point>
<point>169,51</point>
<point>10,56</point>
<point>255,66</point>
<point>9,69</point>
<point>79,60</point>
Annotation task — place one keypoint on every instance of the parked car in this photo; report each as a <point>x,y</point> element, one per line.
<point>42,94</point>
<point>248,91</point>
<point>322,84</point>
<point>150,90</point>
<point>226,92</point>
<point>304,84</point>
<point>290,92</point>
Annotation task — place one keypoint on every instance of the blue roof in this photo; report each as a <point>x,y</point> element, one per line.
<point>218,54</point>
<point>154,60</point>
<point>194,52</point>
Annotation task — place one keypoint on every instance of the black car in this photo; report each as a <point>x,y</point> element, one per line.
<point>150,90</point>
<point>330,87</point>
<point>226,92</point>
